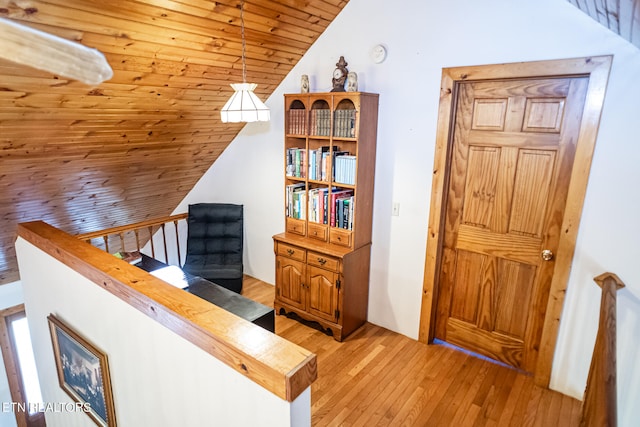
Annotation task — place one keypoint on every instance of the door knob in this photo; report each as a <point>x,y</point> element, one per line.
<point>546,255</point>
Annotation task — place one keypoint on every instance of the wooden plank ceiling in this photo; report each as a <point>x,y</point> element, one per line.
<point>620,16</point>
<point>86,158</point>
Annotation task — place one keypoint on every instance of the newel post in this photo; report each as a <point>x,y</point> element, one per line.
<point>599,407</point>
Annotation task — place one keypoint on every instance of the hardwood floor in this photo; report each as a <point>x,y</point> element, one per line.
<point>380,378</point>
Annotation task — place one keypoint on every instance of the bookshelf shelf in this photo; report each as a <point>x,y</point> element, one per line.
<point>322,258</point>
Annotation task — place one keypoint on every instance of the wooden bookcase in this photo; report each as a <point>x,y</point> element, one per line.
<point>323,257</point>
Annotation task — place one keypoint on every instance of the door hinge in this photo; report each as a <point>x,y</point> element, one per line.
<point>338,284</point>
<point>337,313</point>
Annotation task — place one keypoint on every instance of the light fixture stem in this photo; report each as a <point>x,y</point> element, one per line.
<point>244,105</point>
<point>244,69</point>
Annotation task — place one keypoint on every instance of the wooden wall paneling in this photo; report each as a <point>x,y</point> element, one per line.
<point>180,29</point>
<point>620,16</point>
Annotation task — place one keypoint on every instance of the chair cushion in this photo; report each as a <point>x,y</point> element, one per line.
<point>204,266</point>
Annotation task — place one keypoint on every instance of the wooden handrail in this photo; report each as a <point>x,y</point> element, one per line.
<point>134,226</point>
<point>278,365</point>
<point>599,408</point>
<point>130,233</point>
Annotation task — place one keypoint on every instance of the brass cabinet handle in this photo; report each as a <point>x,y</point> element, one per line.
<point>290,251</point>
<point>546,255</point>
<point>322,261</point>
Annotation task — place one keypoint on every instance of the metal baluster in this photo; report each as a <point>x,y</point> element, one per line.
<point>153,249</point>
<point>164,241</point>
<point>137,238</point>
<point>175,225</point>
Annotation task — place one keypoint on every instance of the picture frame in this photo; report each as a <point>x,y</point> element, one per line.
<point>83,372</point>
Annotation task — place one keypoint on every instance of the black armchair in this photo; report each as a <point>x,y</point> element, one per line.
<point>214,243</point>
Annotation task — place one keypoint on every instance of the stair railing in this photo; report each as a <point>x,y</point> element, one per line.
<point>133,237</point>
<point>599,407</point>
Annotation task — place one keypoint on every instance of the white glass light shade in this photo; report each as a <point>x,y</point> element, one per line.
<point>244,105</point>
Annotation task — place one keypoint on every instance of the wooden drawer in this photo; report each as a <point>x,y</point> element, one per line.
<point>338,236</point>
<point>291,252</point>
<point>317,231</point>
<point>296,226</point>
<point>322,260</point>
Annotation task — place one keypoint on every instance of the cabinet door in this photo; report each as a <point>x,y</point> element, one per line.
<point>322,293</point>
<point>289,274</point>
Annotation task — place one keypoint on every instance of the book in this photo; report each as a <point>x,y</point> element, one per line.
<point>133,258</point>
<point>322,205</point>
<point>313,204</point>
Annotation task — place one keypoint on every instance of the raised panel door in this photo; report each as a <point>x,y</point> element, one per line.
<point>513,149</point>
<point>289,283</point>
<point>322,299</point>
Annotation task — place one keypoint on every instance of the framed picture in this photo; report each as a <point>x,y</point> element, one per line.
<point>83,372</point>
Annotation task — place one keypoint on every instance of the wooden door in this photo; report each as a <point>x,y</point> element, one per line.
<point>289,274</point>
<point>323,293</point>
<point>513,146</point>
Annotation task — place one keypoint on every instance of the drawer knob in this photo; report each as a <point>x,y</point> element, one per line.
<point>290,251</point>
<point>322,261</point>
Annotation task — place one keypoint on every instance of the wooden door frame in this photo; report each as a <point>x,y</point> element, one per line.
<point>597,70</point>
<point>12,366</point>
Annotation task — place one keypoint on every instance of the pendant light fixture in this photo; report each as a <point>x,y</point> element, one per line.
<point>244,105</point>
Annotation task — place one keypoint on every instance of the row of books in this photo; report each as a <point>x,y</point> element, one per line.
<point>316,166</point>
<point>319,164</point>
<point>296,162</point>
<point>320,122</point>
<point>334,208</point>
<point>344,122</point>
<point>297,122</point>
<point>345,169</point>
<point>296,200</point>
<point>320,205</point>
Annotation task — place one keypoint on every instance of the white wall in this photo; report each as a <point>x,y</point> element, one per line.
<point>10,296</point>
<point>158,378</point>
<point>422,38</point>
